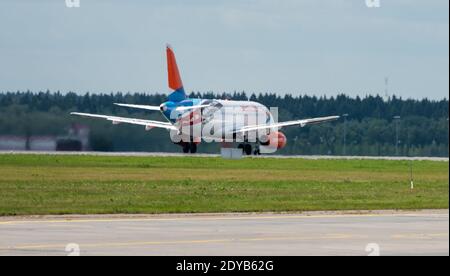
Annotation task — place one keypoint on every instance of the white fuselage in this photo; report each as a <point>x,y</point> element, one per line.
<point>222,118</point>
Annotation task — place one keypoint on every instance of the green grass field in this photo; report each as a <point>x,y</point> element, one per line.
<point>40,184</point>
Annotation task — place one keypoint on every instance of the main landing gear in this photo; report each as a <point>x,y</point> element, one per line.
<point>189,147</point>
<point>248,150</point>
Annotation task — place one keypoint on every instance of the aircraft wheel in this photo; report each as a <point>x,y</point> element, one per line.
<point>248,149</point>
<point>193,148</point>
<point>186,147</point>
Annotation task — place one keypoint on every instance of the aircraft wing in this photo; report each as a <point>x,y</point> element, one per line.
<point>118,120</point>
<point>301,123</point>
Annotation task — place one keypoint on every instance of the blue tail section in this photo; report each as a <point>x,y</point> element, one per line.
<point>178,95</point>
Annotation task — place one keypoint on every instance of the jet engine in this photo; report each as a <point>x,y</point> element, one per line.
<point>276,140</point>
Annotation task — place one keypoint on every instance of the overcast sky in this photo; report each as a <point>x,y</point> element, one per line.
<point>314,47</point>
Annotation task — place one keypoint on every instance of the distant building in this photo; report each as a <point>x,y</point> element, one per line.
<point>9,142</point>
<point>42,143</point>
<point>77,139</point>
<point>81,133</point>
<point>34,143</point>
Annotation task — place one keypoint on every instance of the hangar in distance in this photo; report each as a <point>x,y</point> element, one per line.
<point>245,125</point>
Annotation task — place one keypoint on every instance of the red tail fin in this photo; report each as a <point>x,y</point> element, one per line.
<point>172,69</point>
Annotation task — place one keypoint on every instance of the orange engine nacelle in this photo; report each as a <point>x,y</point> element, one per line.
<point>275,140</point>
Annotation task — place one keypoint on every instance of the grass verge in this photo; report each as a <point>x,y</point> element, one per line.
<point>43,184</point>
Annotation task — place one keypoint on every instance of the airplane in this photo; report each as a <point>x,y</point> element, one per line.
<point>249,125</point>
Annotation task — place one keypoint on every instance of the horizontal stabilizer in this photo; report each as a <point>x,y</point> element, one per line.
<point>146,107</point>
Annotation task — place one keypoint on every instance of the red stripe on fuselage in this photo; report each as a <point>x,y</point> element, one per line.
<point>192,119</point>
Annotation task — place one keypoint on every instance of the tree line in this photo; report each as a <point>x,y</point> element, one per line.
<point>370,127</point>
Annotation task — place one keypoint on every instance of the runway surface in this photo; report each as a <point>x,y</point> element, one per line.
<point>165,154</point>
<point>316,233</point>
